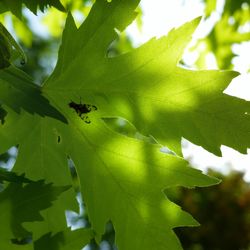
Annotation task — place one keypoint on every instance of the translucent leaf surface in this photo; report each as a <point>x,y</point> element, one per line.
<point>122,179</point>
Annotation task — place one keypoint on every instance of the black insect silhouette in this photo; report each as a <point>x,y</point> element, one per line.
<point>82,110</point>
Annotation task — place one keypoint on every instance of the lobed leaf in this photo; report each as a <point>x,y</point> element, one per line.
<point>122,179</point>
<point>20,203</point>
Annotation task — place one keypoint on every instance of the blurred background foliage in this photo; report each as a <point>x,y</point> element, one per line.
<point>223,210</point>
<point>231,27</point>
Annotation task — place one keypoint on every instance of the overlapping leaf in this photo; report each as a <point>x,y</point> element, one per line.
<point>121,179</point>
<point>21,203</point>
<point>12,177</point>
<point>67,240</point>
<point>15,6</point>
<point>226,32</point>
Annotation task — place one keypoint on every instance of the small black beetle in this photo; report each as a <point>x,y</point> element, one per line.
<point>82,110</point>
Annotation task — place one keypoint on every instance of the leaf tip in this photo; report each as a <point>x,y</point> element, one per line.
<point>216,181</point>
<point>211,181</point>
<point>196,21</point>
<point>235,74</point>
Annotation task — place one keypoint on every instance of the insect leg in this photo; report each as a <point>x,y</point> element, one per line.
<point>86,120</point>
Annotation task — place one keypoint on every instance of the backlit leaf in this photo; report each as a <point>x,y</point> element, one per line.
<point>122,179</point>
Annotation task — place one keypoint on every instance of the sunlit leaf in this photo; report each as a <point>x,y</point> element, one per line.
<point>122,179</point>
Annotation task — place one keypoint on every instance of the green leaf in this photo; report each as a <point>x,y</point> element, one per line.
<point>12,177</point>
<point>112,168</point>
<point>20,203</point>
<point>122,179</point>
<point>9,48</point>
<point>15,6</point>
<point>17,91</point>
<point>148,88</point>
<point>210,7</point>
<point>67,240</point>
<point>226,32</point>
